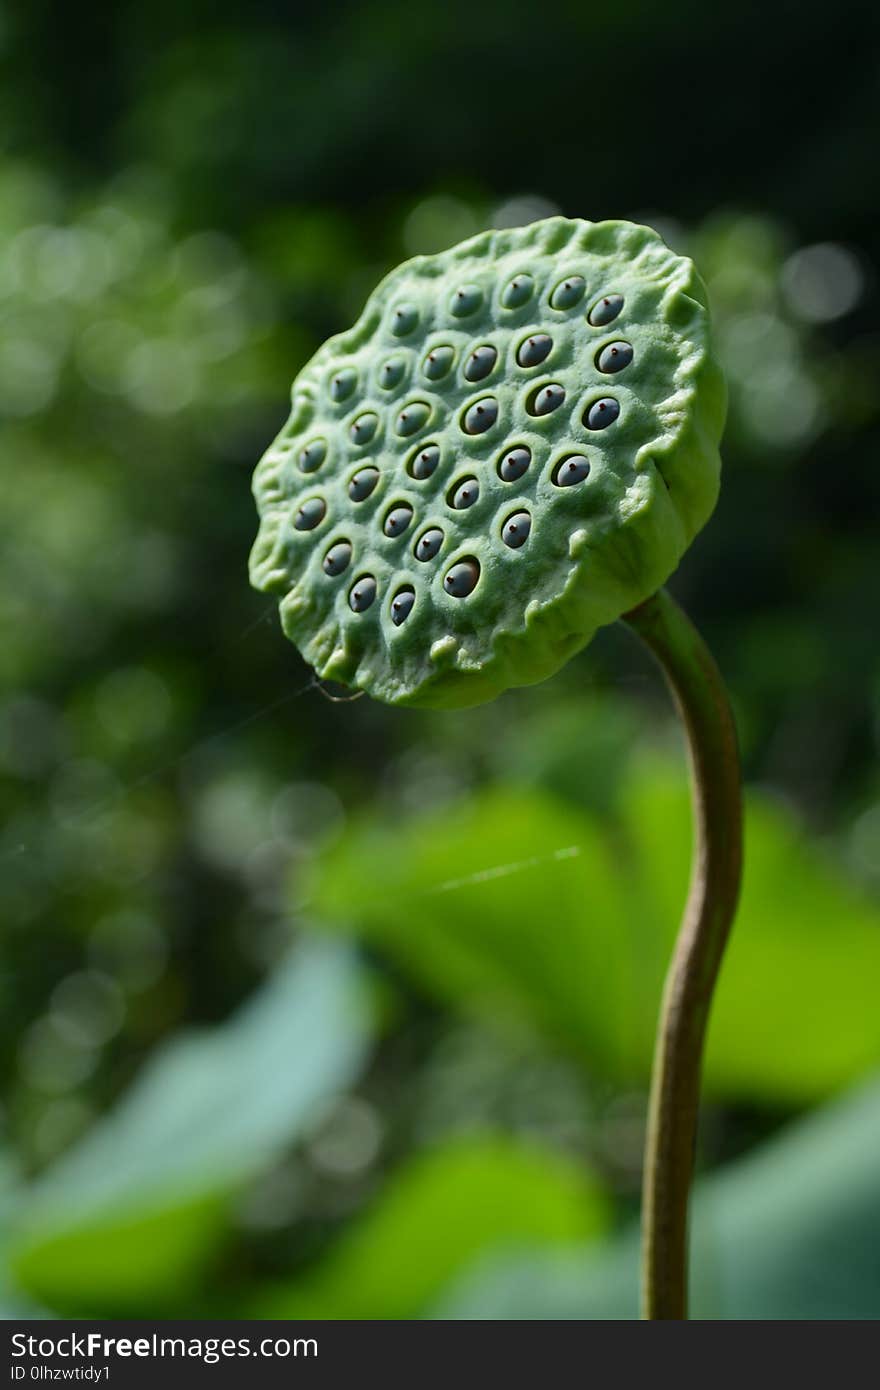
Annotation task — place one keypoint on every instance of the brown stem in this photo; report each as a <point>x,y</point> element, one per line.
<point>702,703</point>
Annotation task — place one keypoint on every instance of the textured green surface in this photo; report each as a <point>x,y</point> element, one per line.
<point>412,381</point>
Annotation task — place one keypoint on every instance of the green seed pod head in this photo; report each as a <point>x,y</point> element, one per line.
<point>513,446</point>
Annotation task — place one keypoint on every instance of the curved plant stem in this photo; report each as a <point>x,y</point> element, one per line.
<point>702,703</point>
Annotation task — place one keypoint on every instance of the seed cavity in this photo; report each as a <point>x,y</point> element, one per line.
<point>605,310</point>
<point>480,363</point>
<point>362,593</point>
<point>571,470</point>
<point>614,357</point>
<point>413,417</point>
<point>462,578</point>
<point>463,494</point>
<point>402,605</point>
<point>337,559</point>
<point>313,455</point>
<point>404,318</point>
<point>428,543</point>
<point>364,427</point>
<point>534,349</point>
<point>397,520</point>
<point>601,414</point>
<point>545,399</point>
<point>310,514</point>
<point>342,384</point>
<point>466,300</point>
<point>568,292</point>
<point>438,362</point>
<point>517,291</point>
<point>480,417</point>
<point>515,531</point>
<point>391,373</point>
<point>423,462</point>
<point>514,463</point>
<point>363,483</point>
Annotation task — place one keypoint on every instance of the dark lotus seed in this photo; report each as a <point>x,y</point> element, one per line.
<point>466,300</point>
<point>614,357</point>
<point>402,605</point>
<point>568,292</point>
<point>571,470</point>
<point>362,484</point>
<point>313,455</point>
<point>428,543</point>
<point>605,310</point>
<point>480,363</point>
<point>362,593</point>
<point>423,462</point>
<point>602,413</point>
<point>342,384</point>
<point>534,350</point>
<point>438,362</point>
<point>462,579</point>
<point>364,427</point>
<point>514,463</point>
<point>412,418</point>
<point>338,558</point>
<point>515,531</point>
<point>391,373</point>
<point>482,416</point>
<point>464,494</point>
<point>546,399</point>
<point>404,319</point>
<point>398,519</point>
<point>520,289</point>
<point>310,514</point>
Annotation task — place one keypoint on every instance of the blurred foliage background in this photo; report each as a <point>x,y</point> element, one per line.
<point>321,1009</point>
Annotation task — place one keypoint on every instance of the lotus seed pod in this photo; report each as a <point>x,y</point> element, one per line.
<point>541,412</point>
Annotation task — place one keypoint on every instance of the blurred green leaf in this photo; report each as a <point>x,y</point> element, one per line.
<point>437,1213</point>
<point>208,1112</point>
<point>791,1232</point>
<point>521,906</point>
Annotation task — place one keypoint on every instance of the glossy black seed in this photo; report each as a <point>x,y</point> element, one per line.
<point>398,519</point>
<point>402,606</point>
<point>547,399</point>
<point>342,384</point>
<point>515,531</point>
<point>605,310</point>
<point>362,593</point>
<point>313,455</point>
<point>568,292</point>
<point>517,292</point>
<point>423,462</point>
<point>310,514</point>
<point>462,578</point>
<point>391,373</point>
<point>514,463</point>
<point>480,363</point>
<point>362,484</point>
<point>412,418</point>
<point>337,559</point>
<point>404,318</point>
<point>572,470</point>
<point>464,494</point>
<point>428,543</point>
<point>482,416</point>
<point>614,357</point>
<point>602,413</point>
<point>533,350</point>
<point>363,428</point>
<point>466,300</point>
<point>438,362</point>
